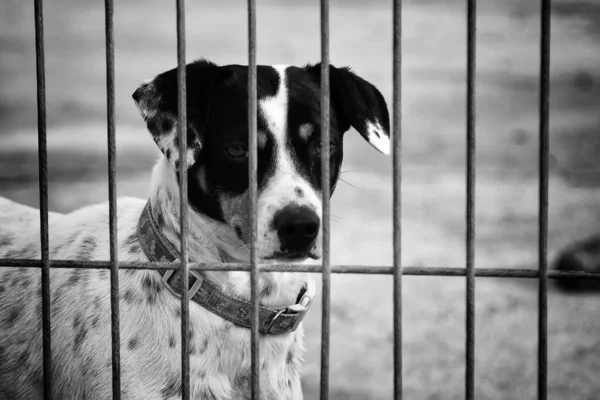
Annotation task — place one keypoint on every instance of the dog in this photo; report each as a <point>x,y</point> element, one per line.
<point>289,230</point>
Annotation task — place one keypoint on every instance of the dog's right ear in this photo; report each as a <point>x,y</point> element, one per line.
<point>157,101</point>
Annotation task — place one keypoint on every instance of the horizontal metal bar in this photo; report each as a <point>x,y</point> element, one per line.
<point>336,269</point>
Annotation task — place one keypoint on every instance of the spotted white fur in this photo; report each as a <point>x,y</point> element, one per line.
<point>150,321</point>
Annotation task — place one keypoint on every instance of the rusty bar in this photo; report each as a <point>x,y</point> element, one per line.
<point>470,237</point>
<point>183,204</point>
<point>325,190</point>
<point>335,269</point>
<point>543,200</point>
<point>253,190</point>
<point>43,184</point>
<point>112,198</point>
<point>397,189</point>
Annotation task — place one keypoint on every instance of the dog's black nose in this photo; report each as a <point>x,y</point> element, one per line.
<point>297,228</point>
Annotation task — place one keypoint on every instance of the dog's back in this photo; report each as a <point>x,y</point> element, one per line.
<point>21,300</point>
<point>80,304</point>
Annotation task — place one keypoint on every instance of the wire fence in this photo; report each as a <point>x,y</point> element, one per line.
<point>325,269</point>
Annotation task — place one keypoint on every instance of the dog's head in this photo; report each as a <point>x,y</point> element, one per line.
<point>289,149</point>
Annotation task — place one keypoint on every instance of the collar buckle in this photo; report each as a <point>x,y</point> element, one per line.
<point>195,281</point>
<point>295,312</point>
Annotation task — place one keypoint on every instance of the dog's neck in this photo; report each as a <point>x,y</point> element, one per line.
<point>210,240</point>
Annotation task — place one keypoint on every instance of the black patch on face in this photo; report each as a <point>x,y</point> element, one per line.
<point>227,126</point>
<point>171,341</point>
<point>290,357</point>
<point>172,388</point>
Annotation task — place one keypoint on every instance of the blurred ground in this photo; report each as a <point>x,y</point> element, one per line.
<point>433,203</point>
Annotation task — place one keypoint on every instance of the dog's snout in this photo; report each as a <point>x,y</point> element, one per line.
<point>297,228</point>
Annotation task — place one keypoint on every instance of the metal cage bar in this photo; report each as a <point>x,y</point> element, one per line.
<point>183,205</point>
<point>470,239</point>
<point>43,184</point>
<point>325,190</point>
<point>253,189</point>
<point>397,192</point>
<point>543,199</point>
<point>335,269</point>
<point>397,270</point>
<point>112,199</point>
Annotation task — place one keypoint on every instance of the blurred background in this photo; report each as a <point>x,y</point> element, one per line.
<point>433,191</point>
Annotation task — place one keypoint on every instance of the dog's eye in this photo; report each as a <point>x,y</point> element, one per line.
<point>317,149</point>
<point>237,152</point>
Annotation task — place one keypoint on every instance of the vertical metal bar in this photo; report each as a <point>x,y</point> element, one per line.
<point>470,250</point>
<point>43,182</point>
<point>253,189</point>
<point>325,185</point>
<point>397,188</point>
<point>112,198</point>
<point>183,203</point>
<point>543,199</point>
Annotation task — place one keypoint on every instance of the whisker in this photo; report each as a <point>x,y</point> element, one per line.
<point>349,184</point>
<point>220,224</point>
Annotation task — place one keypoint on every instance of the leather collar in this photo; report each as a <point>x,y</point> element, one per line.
<point>272,320</point>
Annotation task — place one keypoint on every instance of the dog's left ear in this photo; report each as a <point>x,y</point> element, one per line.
<point>358,103</point>
<point>157,102</point>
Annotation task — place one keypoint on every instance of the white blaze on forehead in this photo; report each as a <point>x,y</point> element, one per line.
<point>377,137</point>
<point>275,109</point>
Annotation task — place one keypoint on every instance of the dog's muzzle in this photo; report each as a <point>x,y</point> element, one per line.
<point>297,228</point>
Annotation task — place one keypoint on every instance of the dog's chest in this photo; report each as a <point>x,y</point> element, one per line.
<point>220,363</point>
